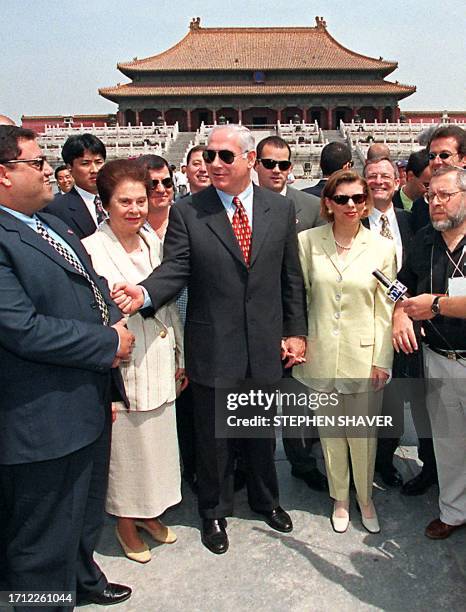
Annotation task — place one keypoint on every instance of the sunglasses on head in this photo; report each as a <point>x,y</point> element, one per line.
<point>226,156</point>
<point>358,198</point>
<point>166,182</point>
<point>269,164</point>
<point>442,155</point>
<point>37,162</point>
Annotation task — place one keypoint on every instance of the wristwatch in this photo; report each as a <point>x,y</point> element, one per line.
<point>435,308</point>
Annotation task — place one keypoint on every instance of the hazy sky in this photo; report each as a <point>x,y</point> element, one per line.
<point>56,53</point>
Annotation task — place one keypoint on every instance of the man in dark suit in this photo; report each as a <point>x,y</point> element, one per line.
<point>81,208</point>
<point>273,164</point>
<point>395,224</point>
<point>246,304</point>
<point>334,156</point>
<point>61,338</point>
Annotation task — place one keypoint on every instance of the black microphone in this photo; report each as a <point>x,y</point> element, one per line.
<point>395,290</point>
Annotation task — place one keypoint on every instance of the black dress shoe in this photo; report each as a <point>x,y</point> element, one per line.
<point>112,594</point>
<point>213,535</point>
<point>313,478</point>
<point>419,484</point>
<point>278,519</point>
<point>390,476</point>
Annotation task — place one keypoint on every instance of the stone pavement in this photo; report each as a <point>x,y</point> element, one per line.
<point>311,569</point>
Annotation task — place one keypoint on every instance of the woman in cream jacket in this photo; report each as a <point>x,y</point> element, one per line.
<point>349,347</point>
<point>144,478</point>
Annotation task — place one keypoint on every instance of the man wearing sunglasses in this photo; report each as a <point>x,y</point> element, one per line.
<point>81,208</point>
<point>162,192</point>
<point>273,165</point>
<point>447,147</point>
<point>61,338</point>
<point>235,246</point>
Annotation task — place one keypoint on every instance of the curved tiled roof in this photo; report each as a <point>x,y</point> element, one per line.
<point>300,48</point>
<point>381,87</point>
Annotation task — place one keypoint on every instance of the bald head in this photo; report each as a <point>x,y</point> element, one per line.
<point>4,120</point>
<point>378,149</point>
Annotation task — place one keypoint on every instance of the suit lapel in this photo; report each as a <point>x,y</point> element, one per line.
<point>80,213</point>
<point>329,248</point>
<point>219,222</point>
<point>260,222</point>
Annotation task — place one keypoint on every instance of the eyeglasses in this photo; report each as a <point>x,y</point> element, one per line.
<point>228,157</point>
<point>442,155</point>
<point>269,164</point>
<point>166,182</point>
<point>442,196</point>
<point>37,162</point>
<point>357,198</point>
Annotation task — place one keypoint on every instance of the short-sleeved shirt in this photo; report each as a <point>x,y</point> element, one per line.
<point>427,270</point>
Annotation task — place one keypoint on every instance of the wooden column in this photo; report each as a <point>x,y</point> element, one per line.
<point>380,114</point>
<point>189,120</point>
<point>330,125</point>
<point>240,115</point>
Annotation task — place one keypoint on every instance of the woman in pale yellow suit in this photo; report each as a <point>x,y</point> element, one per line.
<point>349,342</point>
<point>144,478</point>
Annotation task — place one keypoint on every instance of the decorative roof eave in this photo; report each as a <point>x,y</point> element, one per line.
<point>131,90</point>
<point>293,49</point>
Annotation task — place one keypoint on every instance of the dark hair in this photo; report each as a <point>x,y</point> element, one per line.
<point>273,141</point>
<point>9,137</point>
<point>59,169</point>
<point>418,162</point>
<point>153,162</point>
<point>115,172</point>
<point>451,131</point>
<point>194,150</point>
<point>344,176</point>
<point>75,146</point>
<point>333,157</point>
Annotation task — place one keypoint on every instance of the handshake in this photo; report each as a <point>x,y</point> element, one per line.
<point>129,298</point>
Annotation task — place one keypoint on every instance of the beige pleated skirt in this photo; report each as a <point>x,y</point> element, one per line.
<point>144,478</point>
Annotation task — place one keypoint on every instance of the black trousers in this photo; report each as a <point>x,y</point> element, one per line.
<point>215,458</point>
<point>409,371</point>
<point>185,430</point>
<point>51,513</point>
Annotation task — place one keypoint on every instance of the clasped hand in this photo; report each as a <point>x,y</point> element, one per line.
<point>126,343</point>
<point>128,298</point>
<point>293,351</point>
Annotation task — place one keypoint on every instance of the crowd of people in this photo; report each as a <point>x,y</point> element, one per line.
<point>128,309</point>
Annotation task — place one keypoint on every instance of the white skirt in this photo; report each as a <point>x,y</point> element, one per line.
<point>144,478</point>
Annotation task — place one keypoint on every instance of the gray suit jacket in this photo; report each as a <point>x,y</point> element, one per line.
<point>307,208</point>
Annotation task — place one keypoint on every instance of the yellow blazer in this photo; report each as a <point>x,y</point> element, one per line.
<point>349,316</point>
<point>149,376</point>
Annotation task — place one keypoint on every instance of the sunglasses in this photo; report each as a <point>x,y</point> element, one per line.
<point>228,157</point>
<point>358,198</point>
<point>166,182</point>
<point>442,155</point>
<point>37,162</point>
<point>269,164</point>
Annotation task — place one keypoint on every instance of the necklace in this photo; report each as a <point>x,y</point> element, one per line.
<point>345,248</point>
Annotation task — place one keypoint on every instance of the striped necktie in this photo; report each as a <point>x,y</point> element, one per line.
<point>77,265</point>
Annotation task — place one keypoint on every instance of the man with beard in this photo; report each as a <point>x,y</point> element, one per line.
<point>436,265</point>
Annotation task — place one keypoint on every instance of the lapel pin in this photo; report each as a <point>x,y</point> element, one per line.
<point>68,231</point>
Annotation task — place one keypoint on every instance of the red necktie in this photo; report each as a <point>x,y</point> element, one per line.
<point>242,229</point>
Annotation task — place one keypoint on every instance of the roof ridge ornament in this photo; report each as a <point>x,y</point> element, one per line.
<point>321,24</point>
<point>195,24</point>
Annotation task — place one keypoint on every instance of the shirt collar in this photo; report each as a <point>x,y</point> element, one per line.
<point>29,220</point>
<point>87,196</point>
<point>227,198</point>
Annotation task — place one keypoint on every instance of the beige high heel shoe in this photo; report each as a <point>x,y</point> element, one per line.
<point>142,555</point>
<point>162,534</point>
<point>339,523</point>
<point>370,524</point>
